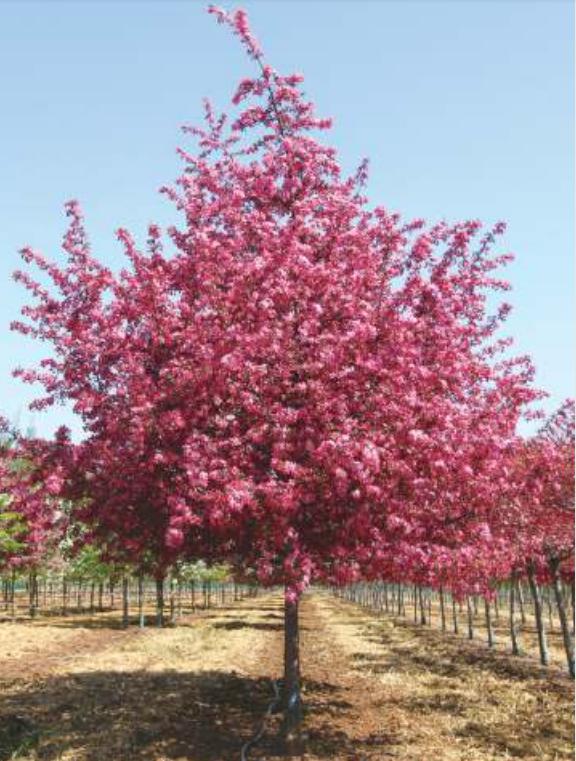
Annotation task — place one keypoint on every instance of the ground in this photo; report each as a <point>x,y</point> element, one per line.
<point>79,688</point>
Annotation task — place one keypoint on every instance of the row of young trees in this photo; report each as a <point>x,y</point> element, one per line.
<point>294,382</point>
<point>509,608</point>
<point>84,584</point>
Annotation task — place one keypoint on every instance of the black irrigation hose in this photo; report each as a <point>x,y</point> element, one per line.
<point>271,706</point>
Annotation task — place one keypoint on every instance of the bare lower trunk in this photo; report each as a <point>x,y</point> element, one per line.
<point>33,593</point>
<point>64,596</point>
<point>540,626</point>
<point>13,597</point>
<point>566,635</point>
<point>442,610</point>
<point>160,601</point>
<point>125,602</point>
<point>172,602</point>
<point>489,629</point>
<point>572,596</point>
<point>470,618</point>
<point>141,619</point>
<point>292,727</point>
<point>521,601</point>
<point>421,606</point>
<point>454,615</point>
<point>513,629</point>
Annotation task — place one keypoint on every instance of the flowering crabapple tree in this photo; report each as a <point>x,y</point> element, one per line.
<point>544,517</point>
<point>302,386</point>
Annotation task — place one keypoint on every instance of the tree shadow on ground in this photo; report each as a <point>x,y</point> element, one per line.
<point>139,715</point>
<point>112,619</point>
<point>238,624</point>
<point>459,653</point>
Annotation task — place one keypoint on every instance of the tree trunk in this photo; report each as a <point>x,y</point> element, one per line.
<point>513,630</point>
<point>442,610</point>
<point>540,627</point>
<point>33,590</point>
<point>172,601</point>
<point>125,616</point>
<point>160,601</point>
<point>422,608</point>
<point>521,601</point>
<point>489,629</point>
<point>141,619</point>
<point>566,635</point>
<point>64,596</point>
<point>13,597</point>
<point>572,596</point>
<point>470,618</point>
<point>292,730</point>
<point>454,615</point>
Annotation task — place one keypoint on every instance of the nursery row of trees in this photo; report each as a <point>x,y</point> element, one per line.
<point>86,585</point>
<point>294,382</point>
<point>552,607</point>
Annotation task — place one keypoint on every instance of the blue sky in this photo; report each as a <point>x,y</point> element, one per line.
<point>465,109</point>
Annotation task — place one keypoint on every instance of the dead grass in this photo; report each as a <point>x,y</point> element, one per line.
<point>375,689</point>
<point>193,692</point>
<point>527,635</point>
<point>442,698</point>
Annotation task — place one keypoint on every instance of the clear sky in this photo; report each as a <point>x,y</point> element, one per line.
<point>464,108</point>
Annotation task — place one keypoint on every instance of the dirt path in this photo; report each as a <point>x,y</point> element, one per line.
<point>374,689</point>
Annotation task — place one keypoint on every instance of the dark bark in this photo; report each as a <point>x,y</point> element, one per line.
<point>470,618</point>
<point>13,596</point>
<point>454,615</point>
<point>33,593</point>
<point>172,601</point>
<point>160,601</point>
<point>292,725</point>
<point>538,613</point>
<point>442,609</point>
<point>422,608</point>
<point>513,627</point>
<point>572,601</point>
<point>554,564</point>
<point>141,618</point>
<point>488,618</point>
<point>521,601</point>
<point>125,602</point>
